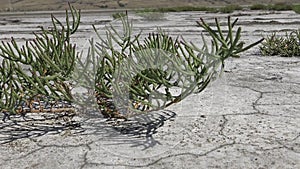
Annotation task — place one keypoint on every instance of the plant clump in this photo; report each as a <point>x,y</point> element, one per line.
<point>296,8</point>
<point>230,8</point>
<point>35,77</point>
<point>286,46</point>
<point>275,7</point>
<point>125,73</point>
<point>141,74</point>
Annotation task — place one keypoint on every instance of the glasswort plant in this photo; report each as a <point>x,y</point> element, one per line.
<point>125,72</point>
<point>138,75</point>
<point>286,46</point>
<point>38,72</point>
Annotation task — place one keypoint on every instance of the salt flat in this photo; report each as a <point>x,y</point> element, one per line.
<point>248,118</point>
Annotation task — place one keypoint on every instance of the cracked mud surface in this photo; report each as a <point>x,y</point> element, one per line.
<point>248,118</point>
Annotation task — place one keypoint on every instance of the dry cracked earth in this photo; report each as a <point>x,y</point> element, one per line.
<point>248,118</point>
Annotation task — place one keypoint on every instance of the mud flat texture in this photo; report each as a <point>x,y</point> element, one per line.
<point>248,118</point>
<point>34,5</point>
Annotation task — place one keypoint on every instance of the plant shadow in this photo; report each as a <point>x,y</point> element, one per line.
<point>137,131</point>
<point>144,127</point>
<point>31,125</point>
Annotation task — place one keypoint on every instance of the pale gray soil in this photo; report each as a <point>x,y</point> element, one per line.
<point>50,5</point>
<point>248,118</point>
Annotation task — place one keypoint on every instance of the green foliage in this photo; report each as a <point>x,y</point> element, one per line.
<point>126,72</point>
<point>138,75</point>
<point>280,7</point>
<point>118,15</point>
<point>259,7</point>
<point>39,69</point>
<point>275,7</point>
<point>230,8</point>
<point>296,8</point>
<point>286,46</point>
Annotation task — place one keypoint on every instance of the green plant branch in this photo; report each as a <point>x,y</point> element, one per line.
<point>50,60</point>
<point>128,74</point>
<point>131,68</point>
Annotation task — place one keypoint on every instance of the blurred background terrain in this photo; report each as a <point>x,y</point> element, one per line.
<point>49,5</point>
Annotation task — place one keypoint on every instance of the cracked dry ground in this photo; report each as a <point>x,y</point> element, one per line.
<point>249,118</point>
